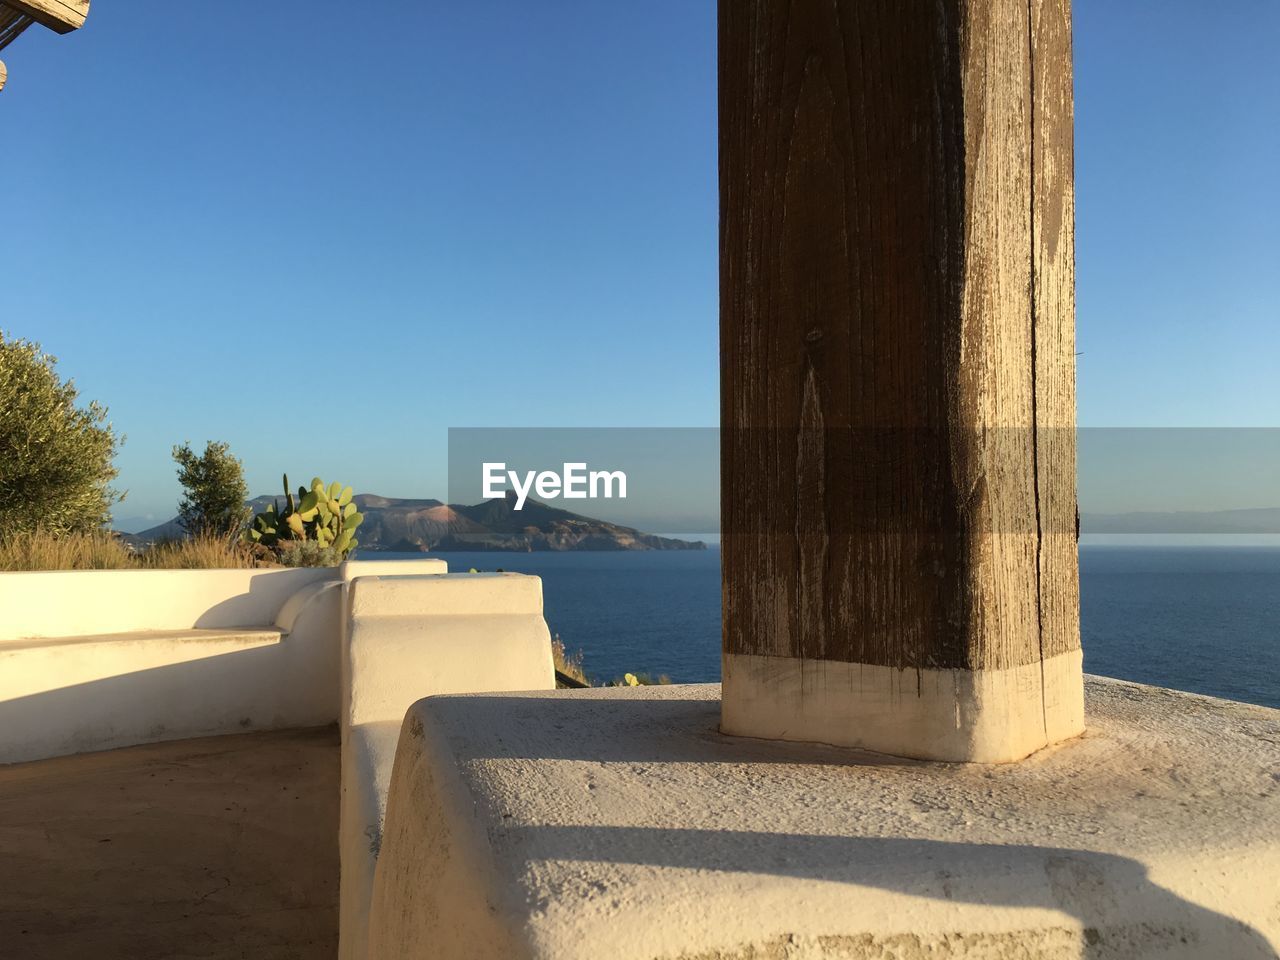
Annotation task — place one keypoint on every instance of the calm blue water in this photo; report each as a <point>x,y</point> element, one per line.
<point>1205,619</point>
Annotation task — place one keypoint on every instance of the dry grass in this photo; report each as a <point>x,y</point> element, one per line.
<point>39,550</point>
<point>568,664</point>
<point>101,550</point>
<point>202,552</point>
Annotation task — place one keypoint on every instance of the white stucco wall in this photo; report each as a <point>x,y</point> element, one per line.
<point>408,638</point>
<point>92,660</point>
<point>64,603</point>
<point>97,659</point>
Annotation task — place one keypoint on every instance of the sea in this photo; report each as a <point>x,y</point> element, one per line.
<point>1191,617</point>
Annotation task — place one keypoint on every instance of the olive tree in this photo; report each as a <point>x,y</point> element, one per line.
<point>214,490</point>
<point>55,456</point>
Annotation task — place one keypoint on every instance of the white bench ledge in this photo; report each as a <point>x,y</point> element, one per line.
<point>62,694</point>
<point>65,603</point>
<point>238,636</point>
<point>620,823</point>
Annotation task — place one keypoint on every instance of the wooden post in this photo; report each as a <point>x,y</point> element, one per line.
<point>897,375</point>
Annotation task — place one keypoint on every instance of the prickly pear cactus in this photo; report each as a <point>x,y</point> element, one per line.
<point>332,515</point>
<point>323,514</point>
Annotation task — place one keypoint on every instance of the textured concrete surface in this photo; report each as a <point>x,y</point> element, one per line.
<point>214,849</point>
<point>620,823</point>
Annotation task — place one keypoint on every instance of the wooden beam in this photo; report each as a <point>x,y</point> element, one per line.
<point>897,375</point>
<point>12,23</point>
<point>60,16</point>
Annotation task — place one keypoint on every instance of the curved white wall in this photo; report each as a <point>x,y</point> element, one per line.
<point>67,603</point>
<point>97,659</point>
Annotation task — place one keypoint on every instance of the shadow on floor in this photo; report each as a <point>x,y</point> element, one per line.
<point>217,848</point>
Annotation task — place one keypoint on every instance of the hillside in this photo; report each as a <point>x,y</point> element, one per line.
<point>406,525</point>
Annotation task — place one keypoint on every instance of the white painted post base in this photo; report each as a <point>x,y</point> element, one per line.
<point>981,716</point>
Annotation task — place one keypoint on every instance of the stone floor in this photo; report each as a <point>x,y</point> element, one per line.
<point>224,847</point>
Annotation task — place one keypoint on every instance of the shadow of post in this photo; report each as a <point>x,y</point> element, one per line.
<point>1121,912</point>
<point>663,749</point>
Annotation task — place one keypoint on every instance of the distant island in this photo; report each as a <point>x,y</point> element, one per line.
<point>1255,520</point>
<point>398,525</point>
<point>394,524</point>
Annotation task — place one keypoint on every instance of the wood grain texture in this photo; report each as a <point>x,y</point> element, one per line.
<point>12,23</point>
<point>897,331</point>
<point>61,16</point>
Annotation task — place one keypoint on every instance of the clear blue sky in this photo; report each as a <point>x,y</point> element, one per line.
<point>326,238</point>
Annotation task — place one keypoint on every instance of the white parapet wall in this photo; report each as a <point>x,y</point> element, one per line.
<point>97,659</point>
<point>620,823</point>
<point>68,603</point>
<point>409,637</point>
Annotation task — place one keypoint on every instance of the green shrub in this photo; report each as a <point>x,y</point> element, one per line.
<point>55,457</point>
<point>213,501</point>
<point>640,680</point>
<point>307,553</point>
